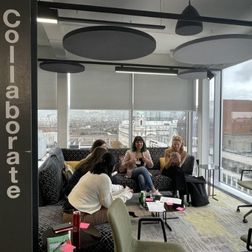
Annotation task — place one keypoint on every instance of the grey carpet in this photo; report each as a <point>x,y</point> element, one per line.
<point>215,227</point>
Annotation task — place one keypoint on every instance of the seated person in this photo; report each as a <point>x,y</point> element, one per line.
<point>136,162</point>
<point>175,156</point>
<point>83,167</point>
<point>93,194</point>
<point>97,143</point>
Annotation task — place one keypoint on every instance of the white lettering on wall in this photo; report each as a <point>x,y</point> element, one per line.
<point>12,111</point>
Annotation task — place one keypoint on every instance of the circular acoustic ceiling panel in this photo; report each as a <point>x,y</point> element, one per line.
<point>221,49</point>
<point>62,67</point>
<point>109,43</point>
<point>192,74</point>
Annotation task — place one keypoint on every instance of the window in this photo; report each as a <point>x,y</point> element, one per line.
<point>237,122</point>
<point>47,131</point>
<point>88,125</point>
<point>158,127</point>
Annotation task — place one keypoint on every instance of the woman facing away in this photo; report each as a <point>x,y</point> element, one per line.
<point>136,161</point>
<point>93,194</point>
<point>84,166</point>
<point>175,156</point>
<point>98,143</point>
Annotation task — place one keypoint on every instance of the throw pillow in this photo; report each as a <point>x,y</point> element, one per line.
<point>72,164</point>
<point>162,163</point>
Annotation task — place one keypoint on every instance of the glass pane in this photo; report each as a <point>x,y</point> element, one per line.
<point>237,123</point>
<point>47,131</point>
<point>158,127</point>
<point>88,125</point>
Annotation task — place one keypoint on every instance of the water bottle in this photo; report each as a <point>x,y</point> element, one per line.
<point>76,229</point>
<point>142,198</point>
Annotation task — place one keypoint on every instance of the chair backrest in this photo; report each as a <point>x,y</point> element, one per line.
<point>119,220</point>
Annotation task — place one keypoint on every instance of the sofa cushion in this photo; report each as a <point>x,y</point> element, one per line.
<point>74,154</point>
<point>162,162</point>
<point>106,244</point>
<point>48,217</point>
<point>51,181</point>
<point>162,183</point>
<point>57,152</point>
<point>72,164</point>
<point>188,165</point>
<point>52,215</point>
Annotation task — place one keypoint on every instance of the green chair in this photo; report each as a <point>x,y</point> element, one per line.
<point>119,220</point>
<point>247,239</point>
<point>248,185</point>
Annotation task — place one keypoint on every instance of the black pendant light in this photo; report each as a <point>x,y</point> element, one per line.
<point>189,27</point>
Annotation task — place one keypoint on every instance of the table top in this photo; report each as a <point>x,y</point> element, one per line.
<point>140,211</point>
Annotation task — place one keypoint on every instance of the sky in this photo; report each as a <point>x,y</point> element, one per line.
<point>237,81</point>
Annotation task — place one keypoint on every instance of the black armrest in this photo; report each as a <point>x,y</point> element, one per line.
<point>243,172</point>
<point>249,242</point>
<point>156,219</point>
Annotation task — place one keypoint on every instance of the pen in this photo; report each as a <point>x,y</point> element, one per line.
<point>55,249</point>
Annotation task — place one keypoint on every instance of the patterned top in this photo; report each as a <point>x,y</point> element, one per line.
<point>131,161</point>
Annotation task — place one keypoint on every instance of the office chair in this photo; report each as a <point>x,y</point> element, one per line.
<point>119,220</point>
<point>247,239</point>
<point>248,185</point>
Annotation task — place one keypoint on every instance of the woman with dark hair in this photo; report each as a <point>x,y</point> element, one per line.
<point>83,167</point>
<point>98,143</point>
<point>93,194</point>
<point>136,161</point>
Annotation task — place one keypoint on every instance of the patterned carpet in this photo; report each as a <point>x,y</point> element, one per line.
<point>215,227</point>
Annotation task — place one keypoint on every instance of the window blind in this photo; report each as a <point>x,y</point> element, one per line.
<point>47,89</point>
<point>99,87</point>
<point>156,92</point>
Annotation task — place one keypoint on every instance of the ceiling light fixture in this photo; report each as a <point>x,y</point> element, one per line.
<point>190,26</point>
<point>214,50</point>
<point>62,67</point>
<point>109,43</point>
<point>141,70</point>
<point>115,23</point>
<point>47,15</point>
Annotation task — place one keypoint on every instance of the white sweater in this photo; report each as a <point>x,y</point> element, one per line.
<point>94,191</point>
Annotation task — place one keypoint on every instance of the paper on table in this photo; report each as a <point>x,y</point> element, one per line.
<point>171,200</point>
<point>67,247</point>
<point>155,206</point>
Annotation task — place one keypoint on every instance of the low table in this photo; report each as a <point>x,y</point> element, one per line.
<point>133,205</point>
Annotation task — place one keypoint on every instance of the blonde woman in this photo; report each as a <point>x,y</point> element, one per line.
<point>175,156</point>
